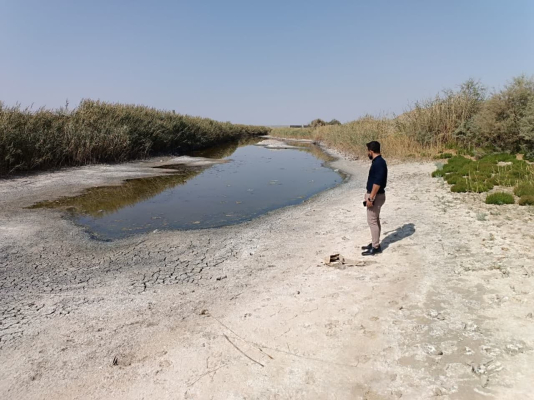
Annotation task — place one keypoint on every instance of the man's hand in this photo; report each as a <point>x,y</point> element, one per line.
<point>372,195</point>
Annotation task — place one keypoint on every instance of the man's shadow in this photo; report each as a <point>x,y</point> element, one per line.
<point>398,234</point>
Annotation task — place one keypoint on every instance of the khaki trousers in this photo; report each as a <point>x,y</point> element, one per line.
<point>373,217</point>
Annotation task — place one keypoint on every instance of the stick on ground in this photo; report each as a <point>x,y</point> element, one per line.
<point>241,351</point>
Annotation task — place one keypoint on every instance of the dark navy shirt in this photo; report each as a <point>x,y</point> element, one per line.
<point>378,174</point>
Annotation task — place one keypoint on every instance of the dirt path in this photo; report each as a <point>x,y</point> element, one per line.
<point>249,312</point>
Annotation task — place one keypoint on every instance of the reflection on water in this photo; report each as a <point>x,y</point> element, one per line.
<point>316,151</point>
<point>225,149</point>
<point>256,180</point>
<point>100,201</point>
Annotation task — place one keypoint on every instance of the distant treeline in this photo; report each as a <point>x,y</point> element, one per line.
<point>96,132</point>
<point>316,123</point>
<point>470,119</point>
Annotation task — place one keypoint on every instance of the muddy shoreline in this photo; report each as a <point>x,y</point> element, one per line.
<point>445,311</point>
<point>59,190</point>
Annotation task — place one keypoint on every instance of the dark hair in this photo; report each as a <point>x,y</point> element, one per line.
<point>374,146</point>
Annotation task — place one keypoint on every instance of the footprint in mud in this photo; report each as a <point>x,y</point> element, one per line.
<point>331,328</point>
<point>367,333</point>
<point>515,348</point>
<point>165,364</point>
<point>310,378</point>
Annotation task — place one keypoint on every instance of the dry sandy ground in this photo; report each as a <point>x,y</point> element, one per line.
<point>249,312</point>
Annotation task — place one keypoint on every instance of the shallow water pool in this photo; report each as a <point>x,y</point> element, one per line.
<point>254,181</point>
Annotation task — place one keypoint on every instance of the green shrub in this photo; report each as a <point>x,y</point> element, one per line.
<point>483,175</point>
<point>466,152</point>
<point>438,173</point>
<point>460,187</point>
<point>456,163</point>
<point>444,156</point>
<point>317,122</point>
<point>518,174</point>
<point>500,198</point>
<point>506,119</point>
<point>480,176</point>
<point>489,184</point>
<point>480,152</point>
<point>524,189</point>
<point>526,201</point>
<point>479,187</point>
<point>526,126</point>
<point>454,178</point>
<point>501,157</point>
<point>504,180</point>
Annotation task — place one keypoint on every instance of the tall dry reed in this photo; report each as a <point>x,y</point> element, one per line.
<point>96,131</point>
<point>437,120</point>
<point>463,119</point>
<point>351,138</point>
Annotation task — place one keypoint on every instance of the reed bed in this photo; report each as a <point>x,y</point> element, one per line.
<point>466,121</point>
<point>96,132</point>
<point>351,138</point>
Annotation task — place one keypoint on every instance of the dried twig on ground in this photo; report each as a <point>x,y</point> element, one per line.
<point>241,351</point>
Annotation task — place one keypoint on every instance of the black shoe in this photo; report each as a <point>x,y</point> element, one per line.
<point>372,251</point>
<point>368,247</point>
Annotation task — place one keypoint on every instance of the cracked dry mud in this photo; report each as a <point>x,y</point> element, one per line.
<point>249,311</point>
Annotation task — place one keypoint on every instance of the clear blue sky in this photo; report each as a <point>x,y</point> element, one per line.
<point>262,62</point>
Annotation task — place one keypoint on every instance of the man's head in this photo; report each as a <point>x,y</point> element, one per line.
<point>373,149</point>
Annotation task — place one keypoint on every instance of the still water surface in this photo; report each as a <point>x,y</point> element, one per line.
<point>256,180</point>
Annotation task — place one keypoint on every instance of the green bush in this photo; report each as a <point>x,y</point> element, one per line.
<point>490,184</point>
<point>524,189</point>
<point>500,198</point>
<point>506,120</point>
<point>505,180</point>
<point>442,156</point>
<point>519,174</point>
<point>333,122</point>
<point>317,122</point>
<point>483,175</point>
<point>480,176</point>
<point>526,128</point>
<point>479,187</point>
<point>456,164</point>
<point>460,187</point>
<point>454,178</point>
<point>500,157</point>
<point>480,152</point>
<point>466,152</point>
<point>526,201</point>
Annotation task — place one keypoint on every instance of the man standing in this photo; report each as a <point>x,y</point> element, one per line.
<point>375,196</point>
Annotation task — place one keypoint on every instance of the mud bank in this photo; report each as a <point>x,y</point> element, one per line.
<point>249,311</point>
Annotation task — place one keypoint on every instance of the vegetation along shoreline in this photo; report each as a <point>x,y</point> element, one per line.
<point>100,132</point>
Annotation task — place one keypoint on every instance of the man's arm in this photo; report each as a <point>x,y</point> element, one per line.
<point>373,194</point>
